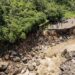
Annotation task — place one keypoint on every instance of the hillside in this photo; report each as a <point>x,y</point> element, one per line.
<point>37,37</point>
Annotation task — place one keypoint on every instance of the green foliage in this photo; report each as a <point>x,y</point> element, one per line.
<point>70,4</point>
<point>19,17</point>
<point>69,14</point>
<point>54,12</point>
<point>50,8</point>
<point>40,4</point>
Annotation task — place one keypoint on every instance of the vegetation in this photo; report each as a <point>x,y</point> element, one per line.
<point>18,17</point>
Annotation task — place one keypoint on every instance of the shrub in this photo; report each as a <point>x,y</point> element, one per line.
<point>19,18</point>
<point>70,4</point>
<point>54,12</point>
<point>40,4</point>
<point>50,8</point>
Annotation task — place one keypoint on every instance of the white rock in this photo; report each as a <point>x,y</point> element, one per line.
<point>73,60</point>
<point>23,70</point>
<point>32,73</point>
<point>26,73</point>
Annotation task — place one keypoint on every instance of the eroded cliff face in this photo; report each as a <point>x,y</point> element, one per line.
<point>63,29</point>
<point>57,33</point>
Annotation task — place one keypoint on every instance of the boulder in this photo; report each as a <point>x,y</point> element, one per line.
<point>3,66</point>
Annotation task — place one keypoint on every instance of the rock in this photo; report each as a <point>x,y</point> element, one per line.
<point>25,73</point>
<point>16,59</point>
<point>0,59</point>
<point>6,71</point>
<point>72,54</point>
<point>6,57</point>
<point>11,56</point>
<point>3,66</point>
<point>74,31</point>
<point>24,60</point>
<point>68,68</point>
<point>45,32</point>
<point>21,55</point>
<point>37,62</point>
<point>68,37</point>
<point>61,38</point>
<point>14,53</point>
<point>73,60</point>
<point>31,67</point>
<point>32,73</point>
<point>36,57</point>
<point>66,54</point>
<point>42,55</point>
<point>24,70</point>
<point>71,37</point>
<point>16,72</point>
<point>2,73</point>
<point>32,54</point>
<point>53,44</point>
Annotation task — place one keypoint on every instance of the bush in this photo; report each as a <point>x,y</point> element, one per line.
<point>40,4</point>
<point>54,12</point>
<point>70,4</point>
<point>50,8</point>
<point>19,18</point>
